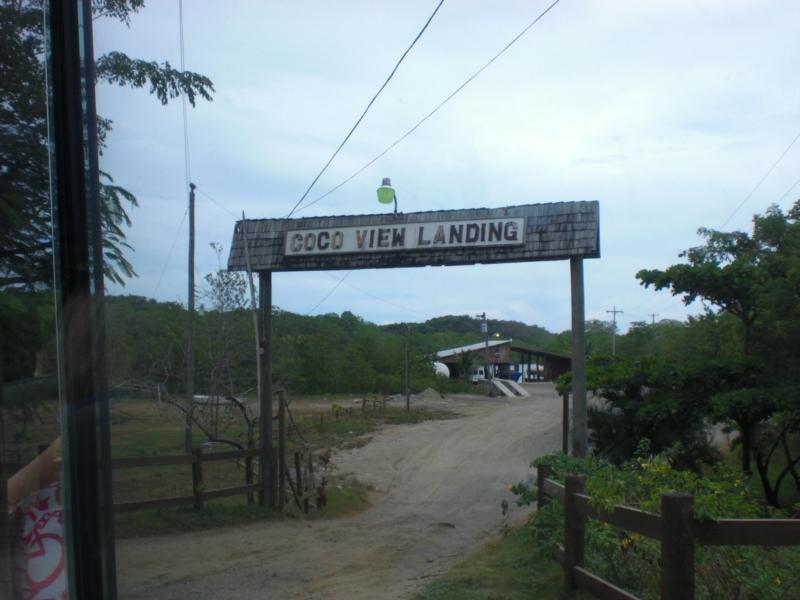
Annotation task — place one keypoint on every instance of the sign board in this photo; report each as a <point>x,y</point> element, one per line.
<point>399,238</point>
<point>455,237</point>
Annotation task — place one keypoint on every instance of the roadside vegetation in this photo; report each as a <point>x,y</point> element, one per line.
<point>667,404</point>
<point>509,568</point>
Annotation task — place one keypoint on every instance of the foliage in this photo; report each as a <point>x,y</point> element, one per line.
<point>755,279</point>
<point>25,214</point>
<point>631,561</point>
<point>507,568</point>
<point>650,399</point>
<point>327,354</point>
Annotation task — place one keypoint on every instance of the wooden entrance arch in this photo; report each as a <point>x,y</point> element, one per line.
<point>524,233</point>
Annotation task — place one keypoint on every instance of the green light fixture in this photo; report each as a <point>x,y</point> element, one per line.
<point>386,194</point>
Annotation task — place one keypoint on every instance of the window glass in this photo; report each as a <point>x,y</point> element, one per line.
<point>32,561</point>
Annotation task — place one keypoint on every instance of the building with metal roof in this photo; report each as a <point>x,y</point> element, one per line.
<point>506,360</point>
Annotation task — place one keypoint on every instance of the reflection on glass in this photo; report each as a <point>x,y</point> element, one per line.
<point>31,535</point>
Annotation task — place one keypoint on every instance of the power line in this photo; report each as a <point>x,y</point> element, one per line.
<point>328,295</point>
<point>219,204</point>
<point>763,178</point>
<point>434,111</point>
<point>186,161</point>
<point>363,114</point>
<point>169,254</point>
<point>787,192</point>
<point>384,300</point>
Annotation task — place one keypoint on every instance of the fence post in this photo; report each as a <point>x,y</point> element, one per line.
<point>574,529</point>
<point>565,423</point>
<point>310,479</point>
<point>281,450</point>
<point>298,470</point>
<point>677,547</point>
<point>542,473</point>
<point>197,477</point>
<point>273,482</point>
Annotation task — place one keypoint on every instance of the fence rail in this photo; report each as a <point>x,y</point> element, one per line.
<point>676,529</point>
<point>199,493</point>
<point>303,486</point>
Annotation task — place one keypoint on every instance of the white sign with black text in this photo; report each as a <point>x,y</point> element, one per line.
<point>440,235</point>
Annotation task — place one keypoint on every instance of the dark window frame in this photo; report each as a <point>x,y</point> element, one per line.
<point>78,252</point>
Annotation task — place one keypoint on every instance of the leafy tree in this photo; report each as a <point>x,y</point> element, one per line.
<point>26,260</point>
<point>755,279</point>
<point>725,272</point>
<point>25,234</point>
<point>466,361</point>
<point>649,401</point>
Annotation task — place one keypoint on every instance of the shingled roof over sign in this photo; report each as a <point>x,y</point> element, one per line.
<point>552,231</point>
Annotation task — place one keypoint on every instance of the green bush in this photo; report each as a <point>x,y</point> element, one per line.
<point>631,561</point>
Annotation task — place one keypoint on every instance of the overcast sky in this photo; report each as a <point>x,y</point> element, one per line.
<point>666,112</point>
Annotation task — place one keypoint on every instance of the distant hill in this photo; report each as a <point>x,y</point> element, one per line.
<point>456,330</point>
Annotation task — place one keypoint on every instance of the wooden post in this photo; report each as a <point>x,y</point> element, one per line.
<point>574,529</point>
<point>565,424</point>
<point>311,482</point>
<point>187,437</point>
<point>266,494</point>
<point>197,477</point>
<point>298,473</point>
<point>677,547</point>
<point>407,375</point>
<point>542,473</point>
<point>6,563</point>
<point>580,436</point>
<point>273,473</point>
<point>281,451</point>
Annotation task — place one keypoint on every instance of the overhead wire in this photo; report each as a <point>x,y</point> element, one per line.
<point>366,109</point>
<point>434,111</point>
<point>760,181</point>
<point>330,293</point>
<point>171,249</point>
<point>788,191</point>
<point>673,299</point>
<point>384,300</point>
<point>187,165</point>
<point>420,122</point>
<point>217,202</point>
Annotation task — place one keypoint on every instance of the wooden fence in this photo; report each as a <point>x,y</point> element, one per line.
<point>298,473</point>
<point>676,529</point>
<point>199,494</point>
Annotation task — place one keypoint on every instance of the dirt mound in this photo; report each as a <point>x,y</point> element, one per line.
<point>428,395</point>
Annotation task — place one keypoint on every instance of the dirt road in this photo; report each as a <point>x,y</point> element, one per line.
<point>440,484</point>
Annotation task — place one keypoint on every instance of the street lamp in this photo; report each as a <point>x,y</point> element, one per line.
<point>386,194</point>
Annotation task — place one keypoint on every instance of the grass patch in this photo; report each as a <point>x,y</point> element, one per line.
<point>142,428</point>
<point>186,519</point>
<point>350,429</point>
<point>506,569</point>
<point>345,497</point>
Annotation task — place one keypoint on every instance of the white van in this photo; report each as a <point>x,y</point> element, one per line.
<point>477,374</point>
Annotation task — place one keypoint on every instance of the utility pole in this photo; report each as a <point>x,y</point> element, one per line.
<point>408,377</point>
<point>653,317</point>
<point>614,312</point>
<point>187,442</point>
<point>485,330</point>
<point>253,307</point>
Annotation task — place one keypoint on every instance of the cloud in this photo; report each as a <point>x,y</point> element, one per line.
<point>666,112</point>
